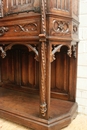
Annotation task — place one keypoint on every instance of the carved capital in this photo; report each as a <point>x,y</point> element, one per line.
<point>3,30</point>
<point>42,37</point>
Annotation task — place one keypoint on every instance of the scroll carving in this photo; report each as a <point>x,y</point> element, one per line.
<point>61,27</point>
<point>3,30</point>
<point>26,27</point>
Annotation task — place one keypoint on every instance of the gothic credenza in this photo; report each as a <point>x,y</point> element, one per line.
<point>38,62</point>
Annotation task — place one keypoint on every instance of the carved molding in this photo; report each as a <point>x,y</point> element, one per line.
<point>57,49</point>
<point>3,30</point>
<point>26,28</point>
<point>61,27</point>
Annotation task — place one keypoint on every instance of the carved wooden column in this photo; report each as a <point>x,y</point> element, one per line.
<point>43,63</point>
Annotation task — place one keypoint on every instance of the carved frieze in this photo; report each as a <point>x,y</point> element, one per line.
<point>60,27</point>
<point>26,27</point>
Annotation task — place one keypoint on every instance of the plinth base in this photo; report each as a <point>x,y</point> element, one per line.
<point>23,109</point>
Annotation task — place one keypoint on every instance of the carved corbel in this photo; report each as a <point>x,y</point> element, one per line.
<point>3,30</point>
<point>56,49</point>
<point>69,51</point>
<point>3,53</point>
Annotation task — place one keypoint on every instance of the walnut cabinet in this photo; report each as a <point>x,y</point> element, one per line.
<point>38,62</point>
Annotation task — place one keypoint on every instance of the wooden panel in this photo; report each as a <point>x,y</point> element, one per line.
<point>21,27</point>
<point>20,68</point>
<point>62,5</point>
<point>17,6</point>
<point>60,72</point>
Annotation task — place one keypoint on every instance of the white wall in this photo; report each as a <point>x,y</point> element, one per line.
<point>82,59</point>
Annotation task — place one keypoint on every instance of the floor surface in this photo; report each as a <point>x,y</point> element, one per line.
<point>80,123</point>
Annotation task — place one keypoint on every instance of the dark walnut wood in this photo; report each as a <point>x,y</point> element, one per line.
<point>38,62</point>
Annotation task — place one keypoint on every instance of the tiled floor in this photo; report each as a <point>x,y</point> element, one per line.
<point>80,123</point>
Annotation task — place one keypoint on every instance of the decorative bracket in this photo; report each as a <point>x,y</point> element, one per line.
<point>3,53</point>
<point>74,51</point>
<point>3,30</point>
<point>57,49</point>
